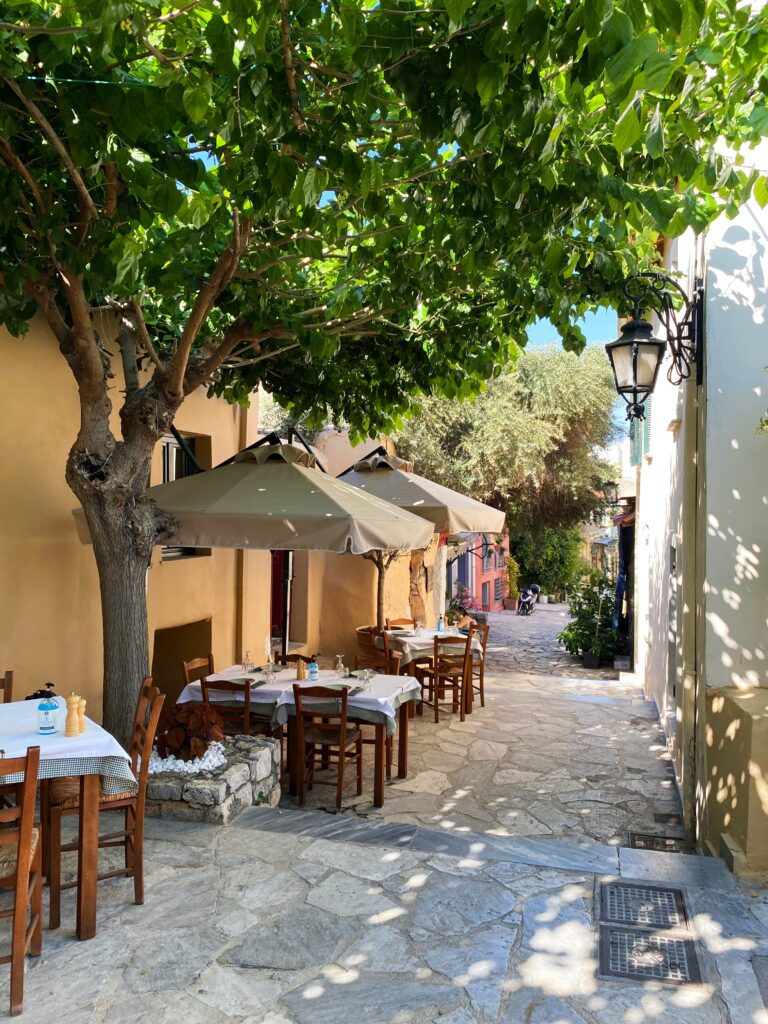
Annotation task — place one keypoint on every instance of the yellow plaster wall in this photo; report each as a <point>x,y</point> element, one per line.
<point>737,773</point>
<point>50,619</point>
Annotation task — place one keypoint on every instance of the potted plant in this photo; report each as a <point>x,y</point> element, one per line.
<point>590,632</point>
<point>512,595</point>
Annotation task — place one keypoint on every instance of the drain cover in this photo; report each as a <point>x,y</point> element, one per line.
<point>649,841</point>
<point>644,905</point>
<point>643,956</point>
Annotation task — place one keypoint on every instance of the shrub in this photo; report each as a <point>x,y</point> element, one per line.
<point>462,600</point>
<point>591,628</point>
<point>513,576</point>
<point>185,730</point>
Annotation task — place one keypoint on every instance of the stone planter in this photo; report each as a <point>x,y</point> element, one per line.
<point>250,776</point>
<point>510,604</point>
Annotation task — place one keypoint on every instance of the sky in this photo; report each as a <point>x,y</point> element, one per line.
<point>598,327</point>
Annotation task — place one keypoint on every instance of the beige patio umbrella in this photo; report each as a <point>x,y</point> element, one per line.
<point>386,476</point>
<point>274,498</point>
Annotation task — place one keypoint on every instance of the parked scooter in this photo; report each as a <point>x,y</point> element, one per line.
<point>528,598</point>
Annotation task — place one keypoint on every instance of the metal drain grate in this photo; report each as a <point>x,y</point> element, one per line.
<point>644,956</point>
<point>643,905</point>
<point>649,841</point>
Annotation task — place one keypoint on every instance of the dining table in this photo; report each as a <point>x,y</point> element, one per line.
<point>102,766</point>
<point>383,704</point>
<point>419,643</point>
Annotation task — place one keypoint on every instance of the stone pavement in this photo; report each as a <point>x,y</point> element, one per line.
<point>291,917</point>
<point>558,751</point>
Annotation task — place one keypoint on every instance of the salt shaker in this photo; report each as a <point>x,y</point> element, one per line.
<point>81,714</point>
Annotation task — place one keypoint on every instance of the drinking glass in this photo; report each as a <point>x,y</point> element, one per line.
<point>247,663</point>
<point>341,669</point>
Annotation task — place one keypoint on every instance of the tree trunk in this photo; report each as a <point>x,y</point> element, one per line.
<point>381,570</point>
<point>418,590</point>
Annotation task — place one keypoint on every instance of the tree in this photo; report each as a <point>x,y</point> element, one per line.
<point>529,444</point>
<point>550,557</point>
<point>352,206</point>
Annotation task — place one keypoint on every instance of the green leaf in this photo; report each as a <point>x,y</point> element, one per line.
<point>627,130</point>
<point>654,137</point>
<point>758,119</point>
<point>760,191</point>
<point>372,177</point>
<point>490,82</point>
<point>457,9</point>
<point>197,98</point>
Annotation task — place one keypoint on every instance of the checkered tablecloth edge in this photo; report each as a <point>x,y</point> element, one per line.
<point>115,772</point>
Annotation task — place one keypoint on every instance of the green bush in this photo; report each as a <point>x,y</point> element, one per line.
<point>591,629</point>
<point>549,557</point>
<point>513,575</point>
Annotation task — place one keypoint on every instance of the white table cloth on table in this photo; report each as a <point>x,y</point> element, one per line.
<point>421,643</point>
<point>385,697</point>
<point>93,752</point>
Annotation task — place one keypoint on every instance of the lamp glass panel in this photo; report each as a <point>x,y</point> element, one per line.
<point>648,359</point>
<point>621,357</point>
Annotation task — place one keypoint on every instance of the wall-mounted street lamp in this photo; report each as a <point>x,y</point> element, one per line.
<point>636,355</point>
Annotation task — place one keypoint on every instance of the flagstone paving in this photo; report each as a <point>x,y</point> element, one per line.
<point>557,752</point>
<point>376,925</point>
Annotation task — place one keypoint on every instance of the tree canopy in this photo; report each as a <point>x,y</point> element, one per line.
<point>357,203</point>
<point>530,444</point>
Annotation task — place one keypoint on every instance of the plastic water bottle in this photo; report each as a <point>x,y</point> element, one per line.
<point>440,624</point>
<point>313,671</point>
<point>48,713</point>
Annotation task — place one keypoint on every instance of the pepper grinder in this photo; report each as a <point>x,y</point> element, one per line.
<point>81,714</point>
<point>301,670</point>
<point>72,725</point>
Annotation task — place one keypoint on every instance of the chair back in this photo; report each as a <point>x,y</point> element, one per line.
<point>236,714</point>
<point>394,663</point>
<point>292,659</point>
<point>17,820</point>
<point>329,703</point>
<point>197,668</point>
<point>7,686</point>
<point>483,630</point>
<point>409,623</point>
<point>447,659</point>
<point>148,708</point>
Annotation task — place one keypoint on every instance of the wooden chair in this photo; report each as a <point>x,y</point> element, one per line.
<point>292,659</point>
<point>238,717</point>
<point>392,668</point>
<point>61,797</point>
<point>408,623</point>
<point>21,871</point>
<point>197,668</point>
<point>478,667</point>
<point>332,739</point>
<point>6,684</point>
<point>447,672</point>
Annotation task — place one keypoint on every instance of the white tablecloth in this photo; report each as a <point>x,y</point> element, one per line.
<point>94,751</point>
<point>386,695</point>
<point>421,644</point>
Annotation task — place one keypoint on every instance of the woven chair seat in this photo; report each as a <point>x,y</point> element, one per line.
<point>9,855</point>
<point>65,793</point>
<point>330,737</point>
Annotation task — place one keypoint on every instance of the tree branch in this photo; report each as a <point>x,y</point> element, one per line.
<point>38,116</point>
<point>140,326</point>
<point>46,303</point>
<point>290,72</point>
<point>126,337</point>
<point>111,190</point>
<point>210,290</point>
<point>236,334</point>
<point>41,30</point>
<point>15,163</point>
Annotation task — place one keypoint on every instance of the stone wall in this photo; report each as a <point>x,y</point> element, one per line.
<point>250,776</point>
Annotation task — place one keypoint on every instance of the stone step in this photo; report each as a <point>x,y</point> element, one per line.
<point>592,858</point>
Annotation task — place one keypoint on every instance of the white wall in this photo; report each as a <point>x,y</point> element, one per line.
<point>736,457</point>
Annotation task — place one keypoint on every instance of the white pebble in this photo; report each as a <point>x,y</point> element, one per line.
<point>212,758</point>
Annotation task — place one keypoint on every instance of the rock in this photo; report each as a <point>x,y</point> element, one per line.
<point>204,791</point>
<point>370,862</point>
<point>477,962</point>
<point>425,782</point>
<point>236,775</point>
<point>373,1000</point>
<point>261,764</point>
<point>345,896</point>
<point>163,787</point>
<point>299,939</point>
<point>449,904</point>
<point>384,951</point>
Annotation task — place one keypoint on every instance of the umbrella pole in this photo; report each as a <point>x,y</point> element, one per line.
<point>287,579</point>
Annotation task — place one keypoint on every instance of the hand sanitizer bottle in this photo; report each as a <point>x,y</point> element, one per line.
<point>440,624</point>
<point>313,670</point>
<point>48,713</point>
